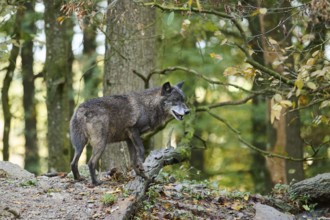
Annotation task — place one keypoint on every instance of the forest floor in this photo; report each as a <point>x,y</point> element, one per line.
<point>62,198</point>
<point>59,197</point>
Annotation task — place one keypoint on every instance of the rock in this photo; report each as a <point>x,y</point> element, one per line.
<point>264,212</point>
<point>43,183</point>
<point>7,213</point>
<point>317,189</point>
<point>13,171</point>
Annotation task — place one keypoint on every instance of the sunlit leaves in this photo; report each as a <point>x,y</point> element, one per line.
<point>184,26</point>
<point>198,4</point>
<point>325,103</point>
<point>170,18</point>
<point>299,83</point>
<point>60,19</point>
<point>216,56</point>
<point>245,70</point>
<point>261,11</point>
<point>277,105</point>
<point>311,85</point>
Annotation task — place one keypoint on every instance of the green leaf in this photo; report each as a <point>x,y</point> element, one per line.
<point>324,104</point>
<point>306,207</point>
<point>311,85</point>
<point>299,83</point>
<point>170,18</point>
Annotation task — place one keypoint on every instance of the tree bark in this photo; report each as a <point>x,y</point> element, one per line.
<point>130,45</point>
<point>59,101</point>
<point>260,174</point>
<point>31,160</point>
<point>91,80</point>
<point>284,134</point>
<point>7,81</point>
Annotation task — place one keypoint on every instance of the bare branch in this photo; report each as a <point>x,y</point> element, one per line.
<point>240,29</point>
<point>220,104</point>
<point>263,152</point>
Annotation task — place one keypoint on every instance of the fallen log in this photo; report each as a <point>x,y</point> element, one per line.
<point>138,186</point>
<point>315,189</point>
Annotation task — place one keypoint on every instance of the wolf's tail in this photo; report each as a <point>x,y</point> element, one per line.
<point>78,138</point>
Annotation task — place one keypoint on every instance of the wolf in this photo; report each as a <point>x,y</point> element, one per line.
<point>115,118</point>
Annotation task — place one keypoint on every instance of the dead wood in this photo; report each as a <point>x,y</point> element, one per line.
<point>315,189</point>
<point>138,186</point>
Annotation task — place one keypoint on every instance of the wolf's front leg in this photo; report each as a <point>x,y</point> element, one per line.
<point>136,150</point>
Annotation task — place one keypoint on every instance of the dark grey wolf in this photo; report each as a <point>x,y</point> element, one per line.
<point>123,118</point>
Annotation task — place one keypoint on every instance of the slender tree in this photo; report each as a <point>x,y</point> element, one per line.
<point>30,132</point>
<point>58,71</point>
<point>130,45</point>
<point>16,36</point>
<point>259,171</point>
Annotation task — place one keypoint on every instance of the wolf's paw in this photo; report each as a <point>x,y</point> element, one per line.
<point>97,182</point>
<point>79,179</point>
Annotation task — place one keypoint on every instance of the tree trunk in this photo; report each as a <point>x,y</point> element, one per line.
<point>130,45</point>
<point>58,66</point>
<point>7,81</point>
<point>30,132</point>
<point>284,134</point>
<point>260,174</point>
<point>294,146</point>
<point>91,80</point>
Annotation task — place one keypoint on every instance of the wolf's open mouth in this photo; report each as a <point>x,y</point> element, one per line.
<point>177,115</point>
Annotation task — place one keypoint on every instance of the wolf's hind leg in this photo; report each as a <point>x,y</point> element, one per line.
<point>74,163</point>
<point>98,148</point>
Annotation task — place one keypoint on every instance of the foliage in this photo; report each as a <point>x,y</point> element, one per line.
<point>209,45</point>
<point>108,199</point>
<point>204,36</point>
<point>29,183</point>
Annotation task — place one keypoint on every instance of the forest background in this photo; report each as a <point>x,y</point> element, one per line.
<point>256,79</point>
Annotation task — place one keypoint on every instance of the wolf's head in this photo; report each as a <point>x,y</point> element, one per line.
<point>174,100</point>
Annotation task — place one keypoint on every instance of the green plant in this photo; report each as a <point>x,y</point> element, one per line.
<point>108,199</point>
<point>150,201</point>
<point>29,183</point>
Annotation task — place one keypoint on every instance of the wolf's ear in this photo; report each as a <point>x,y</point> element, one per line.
<point>166,88</point>
<point>180,84</point>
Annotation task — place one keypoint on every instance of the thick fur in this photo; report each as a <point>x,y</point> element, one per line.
<point>123,118</point>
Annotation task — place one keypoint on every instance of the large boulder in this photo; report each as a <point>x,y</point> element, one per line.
<point>13,171</point>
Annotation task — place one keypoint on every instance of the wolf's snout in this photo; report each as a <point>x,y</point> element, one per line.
<point>186,112</point>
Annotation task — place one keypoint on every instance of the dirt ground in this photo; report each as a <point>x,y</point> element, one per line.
<point>62,198</point>
<point>59,197</point>
<point>52,198</point>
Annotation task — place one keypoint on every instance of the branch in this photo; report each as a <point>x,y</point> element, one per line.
<point>240,29</point>
<point>220,104</point>
<point>310,104</point>
<point>146,79</point>
<point>263,152</point>
<point>201,11</point>
<point>263,68</point>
